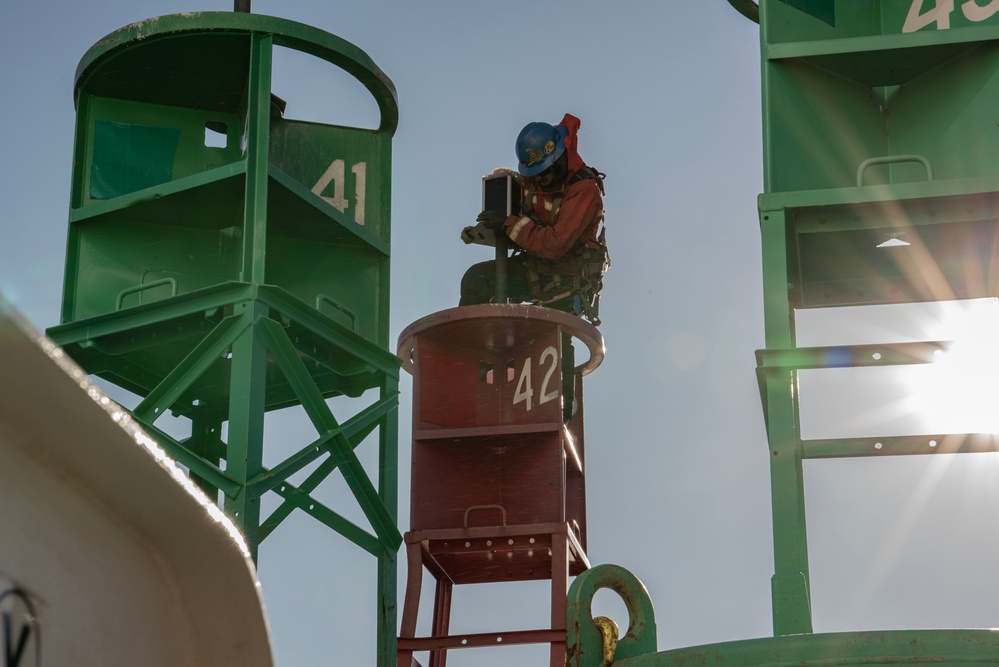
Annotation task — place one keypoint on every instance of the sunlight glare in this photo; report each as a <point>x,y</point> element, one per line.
<point>958,393</point>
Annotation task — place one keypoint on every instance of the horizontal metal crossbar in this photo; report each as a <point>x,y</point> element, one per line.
<point>951,443</point>
<point>280,301</point>
<point>483,639</point>
<point>845,356</point>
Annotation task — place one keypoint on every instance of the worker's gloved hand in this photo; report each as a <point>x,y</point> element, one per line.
<point>491,219</point>
<point>468,235</point>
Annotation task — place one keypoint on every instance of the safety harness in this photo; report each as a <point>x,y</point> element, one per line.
<point>572,283</point>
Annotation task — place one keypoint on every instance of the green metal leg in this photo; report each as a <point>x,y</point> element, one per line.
<point>790,586</point>
<point>258,127</point>
<point>206,442</point>
<point>244,460</point>
<point>778,315</point>
<point>388,490</point>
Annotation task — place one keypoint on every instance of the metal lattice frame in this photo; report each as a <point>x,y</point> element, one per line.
<point>229,351</point>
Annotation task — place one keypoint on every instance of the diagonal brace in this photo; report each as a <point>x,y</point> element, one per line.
<point>302,500</point>
<point>316,478</point>
<point>308,486</point>
<point>196,464</point>
<point>354,430</point>
<point>190,369</point>
<point>341,451</point>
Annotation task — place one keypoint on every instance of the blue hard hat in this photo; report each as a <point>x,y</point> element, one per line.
<point>538,146</point>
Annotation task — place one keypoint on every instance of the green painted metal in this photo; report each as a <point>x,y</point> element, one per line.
<point>584,640</point>
<point>221,280</point>
<point>587,647</point>
<point>878,124</point>
<point>962,648</point>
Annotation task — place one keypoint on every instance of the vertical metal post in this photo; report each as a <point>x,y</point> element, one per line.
<point>69,292</point>
<point>206,442</point>
<point>502,254</point>
<point>560,587</point>
<point>241,6</point>
<point>440,624</point>
<point>244,460</point>
<point>789,586</point>
<point>388,491</point>
<point>258,126</point>
<point>778,313</point>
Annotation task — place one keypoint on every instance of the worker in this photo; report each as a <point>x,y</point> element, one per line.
<point>560,253</point>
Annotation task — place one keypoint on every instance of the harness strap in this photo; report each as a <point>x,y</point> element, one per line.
<point>580,276</point>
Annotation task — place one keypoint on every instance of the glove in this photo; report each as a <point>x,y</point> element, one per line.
<point>491,219</point>
<point>467,235</point>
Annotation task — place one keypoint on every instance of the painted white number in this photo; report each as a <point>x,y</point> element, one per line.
<point>941,11</point>
<point>524,391</point>
<point>525,387</point>
<point>974,12</point>
<point>360,171</point>
<point>549,353</point>
<point>335,174</point>
<point>939,15</point>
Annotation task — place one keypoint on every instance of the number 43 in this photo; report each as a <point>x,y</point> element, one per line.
<point>940,13</point>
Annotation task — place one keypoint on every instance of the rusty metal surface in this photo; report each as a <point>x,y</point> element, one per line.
<point>495,325</point>
<point>498,492</point>
<point>490,554</point>
<point>495,423</point>
<point>551,543</point>
<point>482,639</point>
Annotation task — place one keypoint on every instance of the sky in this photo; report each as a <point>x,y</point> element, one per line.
<point>678,478</point>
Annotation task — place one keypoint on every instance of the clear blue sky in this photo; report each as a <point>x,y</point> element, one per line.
<point>678,480</point>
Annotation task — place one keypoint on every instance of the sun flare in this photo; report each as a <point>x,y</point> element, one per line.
<point>959,392</point>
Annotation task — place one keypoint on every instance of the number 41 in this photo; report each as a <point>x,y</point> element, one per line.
<point>940,14</point>
<point>335,174</point>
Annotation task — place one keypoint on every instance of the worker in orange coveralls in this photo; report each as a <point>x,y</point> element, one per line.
<point>560,251</point>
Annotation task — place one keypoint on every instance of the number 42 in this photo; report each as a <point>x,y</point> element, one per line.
<point>525,387</point>
<point>940,14</point>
